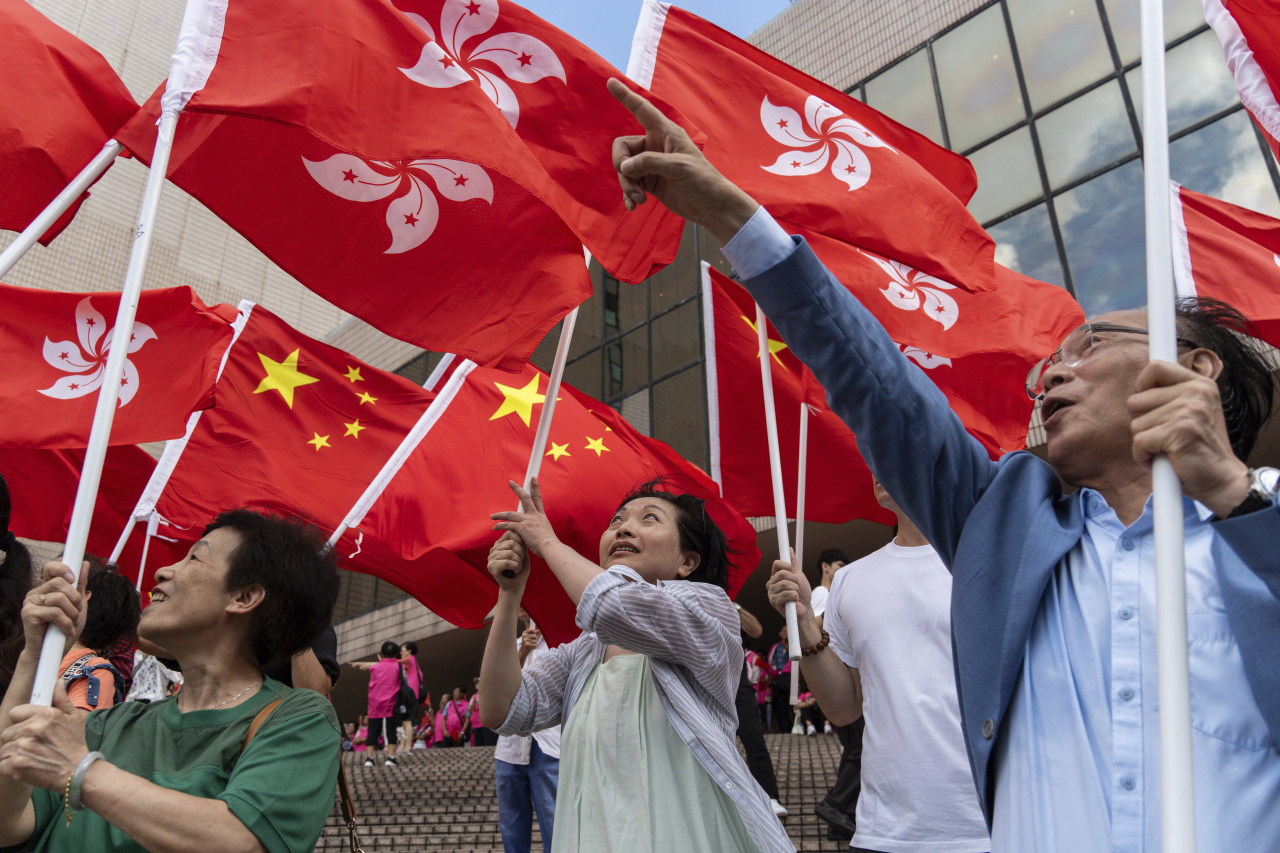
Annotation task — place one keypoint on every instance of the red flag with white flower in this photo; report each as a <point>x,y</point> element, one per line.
<point>814,156</point>
<point>1230,253</point>
<point>59,104</point>
<point>56,345</point>
<point>1249,31</point>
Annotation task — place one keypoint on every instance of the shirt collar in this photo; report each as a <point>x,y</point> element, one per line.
<point>1097,509</point>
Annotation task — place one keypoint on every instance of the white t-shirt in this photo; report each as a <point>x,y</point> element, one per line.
<point>818,598</point>
<point>517,749</point>
<point>889,616</point>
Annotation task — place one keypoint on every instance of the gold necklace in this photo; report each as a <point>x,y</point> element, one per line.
<point>237,696</point>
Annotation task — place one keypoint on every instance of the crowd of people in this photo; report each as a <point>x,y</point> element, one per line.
<point>990,673</point>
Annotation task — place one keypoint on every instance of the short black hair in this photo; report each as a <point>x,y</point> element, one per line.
<point>1245,385</point>
<point>291,560</point>
<point>832,555</point>
<point>390,649</point>
<point>410,647</point>
<point>698,532</point>
<point>114,609</point>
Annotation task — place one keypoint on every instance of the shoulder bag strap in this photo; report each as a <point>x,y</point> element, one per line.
<point>257,723</point>
<point>348,805</point>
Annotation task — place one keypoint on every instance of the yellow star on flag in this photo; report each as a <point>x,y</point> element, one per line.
<point>596,444</point>
<point>775,347</point>
<point>319,440</point>
<point>365,398</point>
<point>354,428</point>
<point>558,450</point>
<point>353,373</point>
<point>519,401</point>
<point>283,376</point>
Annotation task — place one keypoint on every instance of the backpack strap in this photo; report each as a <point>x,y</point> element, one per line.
<point>257,723</point>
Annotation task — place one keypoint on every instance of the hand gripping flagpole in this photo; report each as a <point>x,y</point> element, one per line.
<point>108,395</point>
<point>1177,795</point>
<point>779,501</point>
<point>72,191</point>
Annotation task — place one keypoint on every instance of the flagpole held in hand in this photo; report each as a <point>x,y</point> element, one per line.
<point>779,501</point>
<point>1177,795</point>
<point>61,202</point>
<point>95,455</point>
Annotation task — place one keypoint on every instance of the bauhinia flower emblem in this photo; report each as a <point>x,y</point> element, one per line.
<point>411,216</point>
<point>825,135</point>
<point>87,360</point>
<point>925,359</point>
<point>447,60</point>
<point>910,289</point>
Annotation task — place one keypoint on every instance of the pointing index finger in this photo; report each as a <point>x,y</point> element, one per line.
<point>649,116</point>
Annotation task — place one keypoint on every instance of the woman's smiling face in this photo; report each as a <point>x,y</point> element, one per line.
<point>644,536</point>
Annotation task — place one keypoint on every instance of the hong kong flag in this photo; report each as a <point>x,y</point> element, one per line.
<point>59,104</point>
<point>482,438</point>
<point>55,347</point>
<point>1229,253</point>
<point>1250,34</point>
<point>812,155</point>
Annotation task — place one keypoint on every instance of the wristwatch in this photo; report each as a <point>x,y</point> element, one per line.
<point>1263,485</point>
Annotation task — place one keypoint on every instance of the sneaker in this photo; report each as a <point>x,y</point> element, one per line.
<point>810,730</point>
<point>838,820</point>
<point>827,730</point>
<point>390,762</point>
<point>368,762</point>
<point>778,808</point>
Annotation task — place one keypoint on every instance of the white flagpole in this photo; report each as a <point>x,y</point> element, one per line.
<point>124,537</point>
<point>802,468</point>
<point>153,524</point>
<point>72,191</point>
<point>549,401</point>
<point>108,395</point>
<point>1177,793</point>
<point>779,501</point>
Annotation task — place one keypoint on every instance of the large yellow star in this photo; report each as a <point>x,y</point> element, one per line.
<point>558,450</point>
<point>353,373</point>
<point>775,347</point>
<point>319,440</point>
<point>354,428</point>
<point>519,400</point>
<point>365,398</point>
<point>283,376</point>
<point>596,444</point>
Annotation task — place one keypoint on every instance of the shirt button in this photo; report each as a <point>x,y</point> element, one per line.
<point>728,786</point>
<point>1127,694</point>
<point>988,729</point>
<point>1127,783</point>
<point>1126,613</point>
<point>1128,544</point>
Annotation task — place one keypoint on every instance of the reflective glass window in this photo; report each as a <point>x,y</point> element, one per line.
<point>636,410</point>
<point>1102,231</point>
<point>905,94</point>
<point>1061,45</point>
<point>978,82</point>
<point>679,404</point>
<point>1085,134</point>
<point>1225,161</point>
<point>626,363</point>
<point>1180,18</point>
<point>676,337</point>
<point>1197,82</point>
<point>679,279</point>
<point>586,333</point>
<point>584,374</point>
<point>1024,243</point>
<point>1007,175</point>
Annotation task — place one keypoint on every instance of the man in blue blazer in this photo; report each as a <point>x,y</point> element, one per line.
<point>1053,602</point>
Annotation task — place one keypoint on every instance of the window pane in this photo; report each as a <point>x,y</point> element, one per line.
<point>905,94</point>
<point>1007,175</point>
<point>1086,134</point>
<point>1225,161</point>
<point>636,410</point>
<point>1197,82</point>
<point>675,339</point>
<point>1180,18</point>
<point>624,304</point>
<point>679,279</point>
<point>586,332</point>
<point>626,363</point>
<point>979,86</point>
<point>584,374</point>
<point>1024,243</point>
<point>679,415</point>
<point>1061,46</point>
<point>1102,230</point>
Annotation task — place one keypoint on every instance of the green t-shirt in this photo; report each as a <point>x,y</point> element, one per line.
<point>281,788</point>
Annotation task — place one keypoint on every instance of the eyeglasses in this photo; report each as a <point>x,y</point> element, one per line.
<point>1077,347</point>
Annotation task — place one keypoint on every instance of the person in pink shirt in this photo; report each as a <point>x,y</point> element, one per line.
<point>384,688</point>
<point>413,677</point>
<point>453,720</point>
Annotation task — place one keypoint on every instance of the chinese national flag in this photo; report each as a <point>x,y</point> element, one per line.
<point>1229,253</point>
<point>59,104</point>
<point>56,344</point>
<point>814,156</point>
<point>436,511</point>
<point>1250,34</point>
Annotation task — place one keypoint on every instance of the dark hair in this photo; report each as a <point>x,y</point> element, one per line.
<point>411,646</point>
<point>15,583</point>
<point>390,649</point>
<point>290,559</point>
<point>114,609</point>
<point>1245,386</point>
<point>698,533</point>
<point>832,555</point>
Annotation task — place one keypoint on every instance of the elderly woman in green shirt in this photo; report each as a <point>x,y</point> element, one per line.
<point>175,775</point>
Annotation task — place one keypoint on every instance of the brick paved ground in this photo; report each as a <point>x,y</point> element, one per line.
<point>443,799</point>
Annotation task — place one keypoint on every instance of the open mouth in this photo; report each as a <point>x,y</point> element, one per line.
<point>157,595</point>
<point>623,548</point>
<point>1051,407</point>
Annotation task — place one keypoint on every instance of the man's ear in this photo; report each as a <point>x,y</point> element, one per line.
<point>689,562</point>
<point>1203,361</point>
<point>246,599</point>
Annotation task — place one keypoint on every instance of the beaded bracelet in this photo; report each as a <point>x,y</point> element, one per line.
<point>813,650</point>
<point>66,801</point>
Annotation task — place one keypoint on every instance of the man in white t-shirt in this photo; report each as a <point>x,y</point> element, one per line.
<point>889,660</point>
<point>830,561</point>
